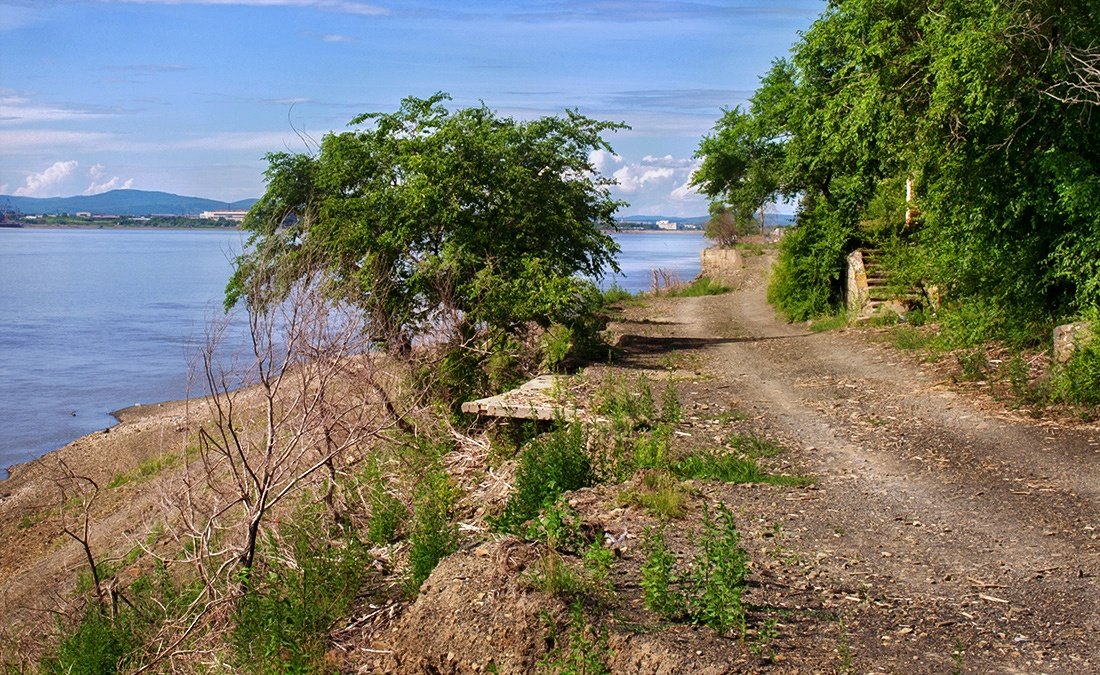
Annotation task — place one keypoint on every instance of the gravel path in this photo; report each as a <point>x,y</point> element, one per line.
<point>961,539</point>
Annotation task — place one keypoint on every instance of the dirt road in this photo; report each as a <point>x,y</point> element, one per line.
<point>941,536</point>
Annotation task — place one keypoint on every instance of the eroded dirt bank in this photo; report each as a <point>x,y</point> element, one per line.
<point>942,534</point>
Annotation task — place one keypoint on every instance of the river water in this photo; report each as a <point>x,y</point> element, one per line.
<point>97,320</point>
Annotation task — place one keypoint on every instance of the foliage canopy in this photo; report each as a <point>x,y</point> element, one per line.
<point>989,107</point>
<point>430,217</point>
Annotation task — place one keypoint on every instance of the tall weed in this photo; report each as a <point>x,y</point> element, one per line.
<point>306,581</point>
<point>550,465</point>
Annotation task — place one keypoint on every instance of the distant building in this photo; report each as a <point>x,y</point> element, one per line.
<point>83,214</point>
<point>235,216</point>
<point>666,225</point>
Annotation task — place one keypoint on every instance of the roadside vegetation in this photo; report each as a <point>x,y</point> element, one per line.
<point>329,471</point>
<point>955,140</point>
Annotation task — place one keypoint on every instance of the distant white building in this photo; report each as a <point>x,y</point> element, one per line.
<point>666,225</point>
<point>235,216</point>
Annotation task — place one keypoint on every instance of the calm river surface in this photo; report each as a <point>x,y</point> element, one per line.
<point>96,320</point>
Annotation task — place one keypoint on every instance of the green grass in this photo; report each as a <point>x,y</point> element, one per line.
<point>304,583</point>
<point>550,465</point>
<point>659,494</point>
<point>729,468</point>
<point>616,295</point>
<point>144,471</point>
<point>909,338</point>
<point>700,287</point>
<point>828,323</point>
<point>709,591</point>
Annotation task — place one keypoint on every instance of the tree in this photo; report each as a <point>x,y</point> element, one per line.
<point>986,106</point>
<point>420,216</point>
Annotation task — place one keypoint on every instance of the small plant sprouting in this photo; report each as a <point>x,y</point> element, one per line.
<point>582,650</point>
<point>709,593</point>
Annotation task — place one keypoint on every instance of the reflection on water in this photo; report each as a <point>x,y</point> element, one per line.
<point>97,320</point>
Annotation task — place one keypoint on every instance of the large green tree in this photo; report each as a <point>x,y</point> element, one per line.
<point>988,106</point>
<point>432,218</point>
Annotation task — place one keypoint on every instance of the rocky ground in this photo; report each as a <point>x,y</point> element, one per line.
<point>940,533</point>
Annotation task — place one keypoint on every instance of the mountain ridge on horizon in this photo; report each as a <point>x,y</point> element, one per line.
<point>122,203</point>
<point>131,202</point>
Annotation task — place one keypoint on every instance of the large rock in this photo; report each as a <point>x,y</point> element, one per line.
<point>720,264</point>
<point>1068,338</point>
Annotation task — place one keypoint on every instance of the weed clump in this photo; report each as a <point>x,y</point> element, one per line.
<point>710,591</point>
<point>550,465</point>
<point>433,534</point>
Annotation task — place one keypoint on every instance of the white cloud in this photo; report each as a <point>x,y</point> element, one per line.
<point>602,160</point>
<point>342,6</point>
<point>4,189</point>
<point>115,183</point>
<point>12,140</point>
<point>634,177</point>
<point>667,160</point>
<point>246,140</point>
<point>45,184</point>
<point>17,110</point>
<point>96,173</point>
<point>337,38</point>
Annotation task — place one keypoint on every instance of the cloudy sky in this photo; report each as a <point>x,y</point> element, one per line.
<point>187,96</point>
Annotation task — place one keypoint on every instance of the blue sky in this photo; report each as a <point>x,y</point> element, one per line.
<point>187,96</point>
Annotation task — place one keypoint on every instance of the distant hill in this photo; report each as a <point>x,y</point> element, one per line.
<point>780,219</point>
<point>121,203</point>
<point>694,220</point>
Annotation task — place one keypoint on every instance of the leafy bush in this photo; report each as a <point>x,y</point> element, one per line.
<point>550,465</point>
<point>710,591</point>
<point>581,650</point>
<point>387,512</point>
<point>659,577</point>
<point>556,346</point>
<point>97,644</point>
<point>1078,381</point>
<point>434,535</point>
<point>301,587</point>
<point>806,279</point>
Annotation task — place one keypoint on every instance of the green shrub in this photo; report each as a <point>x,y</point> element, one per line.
<point>671,411</point>
<point>97,644</point>
<point>652,450</point>
<point>614,295</point>
<point>550,465</point>
<point>1078,381</point>
<point>101,643</point>
<point>698,288</point>
<point>556,345</point>
<point>626,407</point>
<point>434,535</point>
<point>806,278</point>
<point>710,591</point>
<point>387,512</point>
<point>300,588</point>
<point>581,650</point>
<point>718,575</point>
<point>659,580</point>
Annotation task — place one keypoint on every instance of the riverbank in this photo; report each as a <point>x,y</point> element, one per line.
<point>893,523</point>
